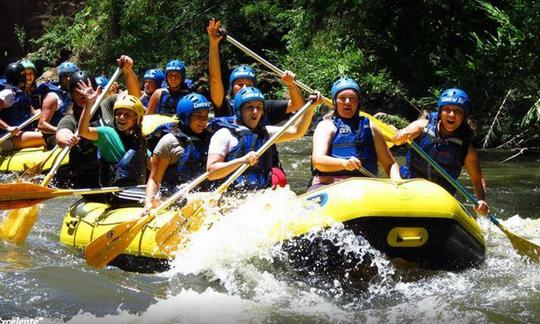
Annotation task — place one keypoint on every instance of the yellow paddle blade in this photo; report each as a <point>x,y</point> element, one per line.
<point>36,169</point>
<point>522,246</point>
<point>18,223</point>
<point>151,122</point>
<point>108,246</point>
<point>388,131</point>
<point>22,194</point>
<point>176,231</point>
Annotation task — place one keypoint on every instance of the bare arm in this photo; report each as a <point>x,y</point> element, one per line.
<point>410,132</point>
<point>384,157</point>
<point>217,92</point>
<point>218,168</point>
<point>65,137</point>
<point>158,166</point>
<point>153,102</point>
<point>477,178</point>
<point>297,99</point>
<point>322,140</point>
<point>49,106</point>
<point>300,127</point>
<point>132,83</point>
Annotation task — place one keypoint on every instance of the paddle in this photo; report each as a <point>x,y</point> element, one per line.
<point>38,168</point>
<point>112,243</point>
<point>18,223</point>
<point>167,237</point>
<point>25,123</point>
<point>24,194</point>
<point>300,84</point>
<point>521,245</point>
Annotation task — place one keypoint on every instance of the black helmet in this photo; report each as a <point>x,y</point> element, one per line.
<point>14,73</point>
<point>81,76</point>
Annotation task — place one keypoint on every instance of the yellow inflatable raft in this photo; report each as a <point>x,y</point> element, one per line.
<point>414,220</point>
<point>20,160</point>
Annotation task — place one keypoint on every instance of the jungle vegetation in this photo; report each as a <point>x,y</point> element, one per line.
<point>404,53</point>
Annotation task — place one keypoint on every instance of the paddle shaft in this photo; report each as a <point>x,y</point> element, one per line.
<point>25,123</point>
<point>264,147</point>
<point>300,84</point>
<point>180,193</point>
<point>28,193</point>
<point>112,243</point>
<point>93,110</point>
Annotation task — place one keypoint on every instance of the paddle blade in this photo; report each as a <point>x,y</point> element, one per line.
<point>18,223</point>
<point>17,204</point>
<point>32,171</point>
<point>22,194</point>
<point>108,246</point>
<point>38,168</point>
<point>522,246</point>
<point>174,233</point>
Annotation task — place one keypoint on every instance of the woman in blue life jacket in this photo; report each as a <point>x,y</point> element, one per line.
<point>56,102</point>
<point>346,144</point>
<point>235,143</point>
<point>447,138</point>
<point>164,100</point>
<point>152,81</point>
<point>30,86</point>
<point>15,108</point>
<point>121,149</point>
<point>275,111</point>
<point>180,155</point>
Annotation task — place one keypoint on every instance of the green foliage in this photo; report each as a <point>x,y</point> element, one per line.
<point>401,51</point>
<point>21,36</point>
<point>532,116</point>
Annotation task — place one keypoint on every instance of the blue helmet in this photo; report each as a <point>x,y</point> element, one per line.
<point>456,97</point>
<point>243,71</point>
<point>344,84</point>
<point>245,95</point>
<point>189,104</point>
<point>155,75</point>
<point>102,81</point>
<point>66,68</point>
<point>176,65</point>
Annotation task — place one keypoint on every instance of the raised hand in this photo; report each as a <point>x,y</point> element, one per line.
<point>212,29</point>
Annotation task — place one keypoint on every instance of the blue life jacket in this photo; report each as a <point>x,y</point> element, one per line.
<point>192,163</point>
<point>449,153</point>
<point>44,88</point>
<point>20,110</point>
<point>168,101</point>
<point>160,131</point>
<point>219,122</point>
<point>145,98</point>
<point>353,138</point>
<point>36,98</point>
<point>131,169</point>
<point>257,176</point>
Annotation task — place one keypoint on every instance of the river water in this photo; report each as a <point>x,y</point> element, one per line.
<point>228,273</point>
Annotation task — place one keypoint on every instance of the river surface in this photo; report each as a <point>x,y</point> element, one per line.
<point>225,278</point>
